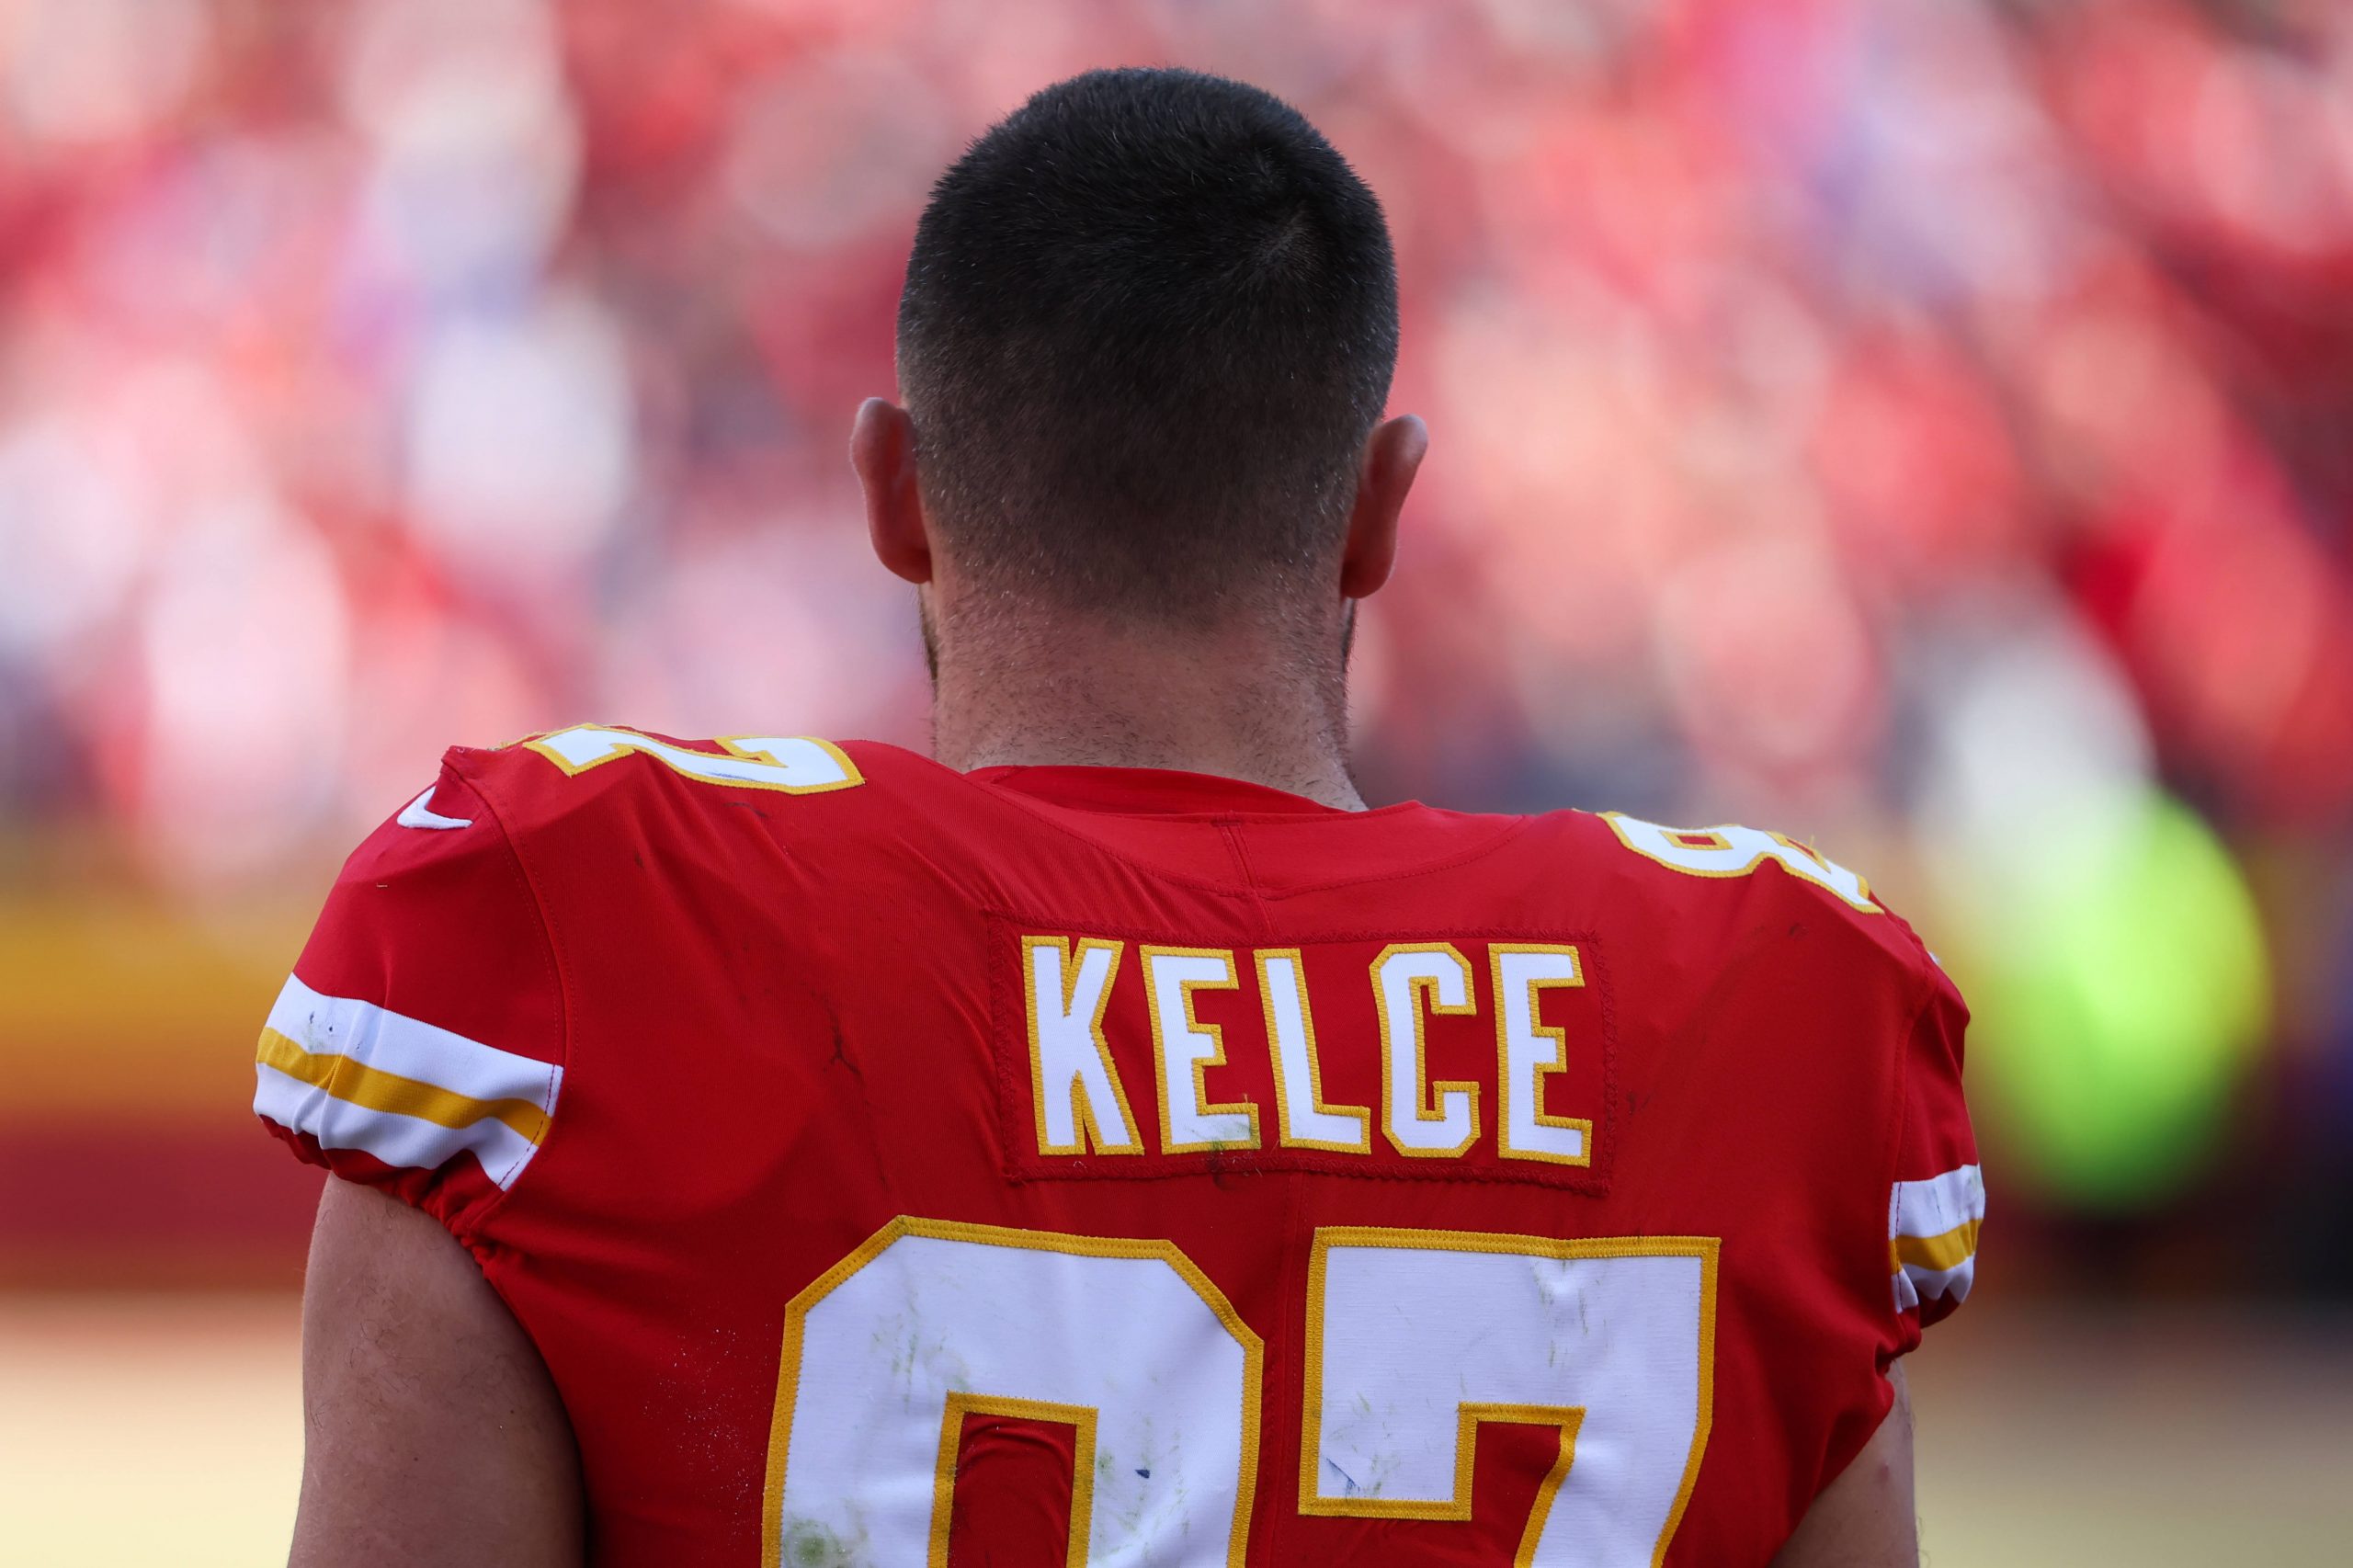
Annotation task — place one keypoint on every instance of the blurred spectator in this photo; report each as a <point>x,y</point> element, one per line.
<point>1922,426</point>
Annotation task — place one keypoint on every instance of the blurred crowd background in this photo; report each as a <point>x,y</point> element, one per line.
<point>1924,427</point>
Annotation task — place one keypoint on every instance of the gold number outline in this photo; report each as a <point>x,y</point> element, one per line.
<point>1862,900</point>
<point>796,1317</point>
<point>1469,1416</point>
<point>636,742</point>
<point>960,1404</point>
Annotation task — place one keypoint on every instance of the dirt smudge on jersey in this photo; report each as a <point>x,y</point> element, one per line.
<point>805,1543</point>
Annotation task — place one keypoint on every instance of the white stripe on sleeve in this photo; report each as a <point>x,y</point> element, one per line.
<point>396,1140</point>
<point>394,1042</point>
<point>1931,1208</point>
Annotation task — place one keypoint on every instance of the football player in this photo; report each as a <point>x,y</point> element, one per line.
<point>1105,1141</point>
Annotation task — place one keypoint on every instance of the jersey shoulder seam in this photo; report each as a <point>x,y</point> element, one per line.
<point>473,1237</point>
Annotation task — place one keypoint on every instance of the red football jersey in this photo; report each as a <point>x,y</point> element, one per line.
<point>1066,1165</point>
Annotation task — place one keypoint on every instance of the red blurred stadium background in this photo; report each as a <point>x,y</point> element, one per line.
<point>1924,426</point>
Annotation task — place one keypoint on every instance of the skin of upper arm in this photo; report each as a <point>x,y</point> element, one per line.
<point>1866,1518</point>
<point>433,1434</point>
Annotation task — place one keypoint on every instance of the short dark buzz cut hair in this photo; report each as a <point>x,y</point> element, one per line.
<point>1149,321</point>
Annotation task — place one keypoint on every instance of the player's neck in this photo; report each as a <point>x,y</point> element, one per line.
<point>1234,705</point>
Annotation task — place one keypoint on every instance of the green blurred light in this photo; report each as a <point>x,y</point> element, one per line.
<point>2119,986</point>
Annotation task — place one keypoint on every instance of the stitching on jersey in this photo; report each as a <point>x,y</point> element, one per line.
<point>1020,802</point>
<point>1249,878</point>
<point>473,1237</point>
<point>1291,1338</point>
<point>1016,800</point>
<point>1518,826</point>
<point>1000,786</point>
<point>1008,1088</point>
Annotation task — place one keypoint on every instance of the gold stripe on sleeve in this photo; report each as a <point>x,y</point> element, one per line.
<point>1950,1250</point>
<point>376,1089</point>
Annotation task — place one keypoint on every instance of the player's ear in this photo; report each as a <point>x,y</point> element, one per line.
<point>882,451</point>
<point>1392,455</point>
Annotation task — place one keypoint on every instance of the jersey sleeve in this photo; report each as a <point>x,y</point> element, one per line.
<point>1937,1197</point>
<point>418,1046</point>
<point>1922,1183</point>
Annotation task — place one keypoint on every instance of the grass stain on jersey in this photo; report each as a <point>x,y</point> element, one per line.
<point>805,1543</point>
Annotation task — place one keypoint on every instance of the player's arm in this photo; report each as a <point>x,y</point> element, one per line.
<point>417,1054</point>
<point>432,1433</point>
<point>1865,1518</point>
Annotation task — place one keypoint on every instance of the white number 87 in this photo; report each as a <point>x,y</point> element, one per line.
<point>1414,1339</point>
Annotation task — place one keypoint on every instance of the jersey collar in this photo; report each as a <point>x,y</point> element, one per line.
<point>1151,791</point>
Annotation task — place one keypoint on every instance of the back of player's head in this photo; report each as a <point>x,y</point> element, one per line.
<point>1149,321</point>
